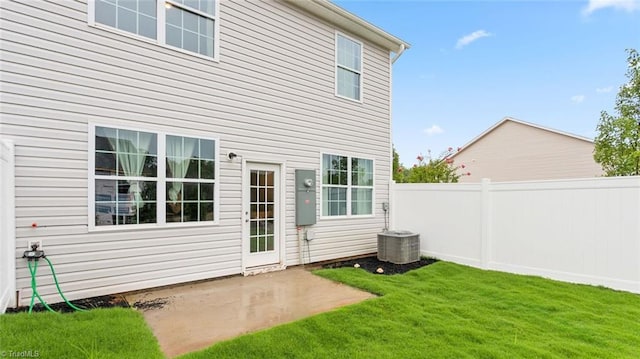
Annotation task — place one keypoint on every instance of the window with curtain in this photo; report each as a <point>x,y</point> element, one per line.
<point>347,186</point>
<point>348,67</point>
<point>127,180</point>
<point>190,179</point>
<point>190,25</point>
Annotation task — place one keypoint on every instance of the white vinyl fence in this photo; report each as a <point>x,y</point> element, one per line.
<point>582,230</point>
<point>7,226</point>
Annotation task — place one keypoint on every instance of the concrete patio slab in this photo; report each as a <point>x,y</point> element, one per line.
<point>195,316</point>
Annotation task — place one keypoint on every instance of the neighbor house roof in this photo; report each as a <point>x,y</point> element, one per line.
<point>340,17</point>
<point>499,123</point>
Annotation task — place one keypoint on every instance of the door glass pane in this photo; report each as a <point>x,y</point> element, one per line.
<point>253,244</point>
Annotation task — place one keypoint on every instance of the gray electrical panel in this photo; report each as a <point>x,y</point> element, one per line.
<point>305,197</point>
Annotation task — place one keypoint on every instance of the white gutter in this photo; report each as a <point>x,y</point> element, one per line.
<point>398,54</point>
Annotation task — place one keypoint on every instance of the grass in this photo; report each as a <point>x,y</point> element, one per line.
<point>451,311</point>
<point>99,333</point>
<point>440,311</point>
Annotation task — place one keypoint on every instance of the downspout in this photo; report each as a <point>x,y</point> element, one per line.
<point>398,54</point>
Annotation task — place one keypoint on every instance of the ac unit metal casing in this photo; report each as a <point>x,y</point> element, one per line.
<point>398,247</point>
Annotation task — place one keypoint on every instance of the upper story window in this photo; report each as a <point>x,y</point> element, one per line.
<point>347,186</point>
<point>348,67</point>
<point>190,25</point>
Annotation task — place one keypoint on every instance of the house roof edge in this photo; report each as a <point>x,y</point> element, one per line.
<point>344,19</point>
<point>512,119</point>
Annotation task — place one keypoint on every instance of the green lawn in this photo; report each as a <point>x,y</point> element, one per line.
<point>99,333</point>
<point>451,311</point>
<point>440,311</point>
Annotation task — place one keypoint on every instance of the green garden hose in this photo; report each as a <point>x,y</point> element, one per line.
<point>34,290</point>
<point>55,279</point>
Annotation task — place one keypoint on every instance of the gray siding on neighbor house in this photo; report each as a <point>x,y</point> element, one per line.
<point>271,96</point>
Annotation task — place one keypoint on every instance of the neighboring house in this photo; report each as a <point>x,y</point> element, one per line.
<point>157,142</point>
<point>514,150</point>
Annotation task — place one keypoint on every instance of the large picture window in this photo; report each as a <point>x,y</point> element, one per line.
<point>190,25</point>
<point>347,186</point>
<point>128,178</point>
<point>348,68</point>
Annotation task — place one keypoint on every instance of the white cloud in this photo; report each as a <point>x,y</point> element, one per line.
<point>433,130</point>
<point>577,98</point>
<point>626,5</point>
<point>604,89</point>
<point>467,39</point>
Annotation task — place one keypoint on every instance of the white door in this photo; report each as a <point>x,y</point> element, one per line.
<point>261,213</point>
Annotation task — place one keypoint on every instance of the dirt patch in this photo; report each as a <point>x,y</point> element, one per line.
<point>105,301</point>
<point>373,265</point>
<point>157,303</point>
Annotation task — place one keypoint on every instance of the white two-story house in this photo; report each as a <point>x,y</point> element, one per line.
<point>157,142</point>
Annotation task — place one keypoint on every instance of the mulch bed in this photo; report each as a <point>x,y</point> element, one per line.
<point>372,264</point>
<point>105,301</point>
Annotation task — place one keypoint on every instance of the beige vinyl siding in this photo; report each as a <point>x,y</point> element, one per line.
<point>271,95</point>
<point>515,151</point>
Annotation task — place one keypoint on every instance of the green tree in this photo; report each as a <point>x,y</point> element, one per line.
<point>435,170</point>
<point>398,169</point>
<point>617,144</point>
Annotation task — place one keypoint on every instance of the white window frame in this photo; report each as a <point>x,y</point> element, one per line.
<point>161,23</point>
<point>337,66</point>
<point>160,179</point>
<point>349,187</point>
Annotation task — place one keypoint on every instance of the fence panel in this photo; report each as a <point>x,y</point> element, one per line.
<point>445,215</point>
<point>7,226</point>
<point>583,230</point>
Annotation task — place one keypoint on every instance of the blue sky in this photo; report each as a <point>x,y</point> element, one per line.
<point>471,63</point>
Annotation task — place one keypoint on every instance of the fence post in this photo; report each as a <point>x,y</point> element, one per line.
<point>392,205</point>
<point>7,226</point>
<point>485,255</point>
<point>638,237</point>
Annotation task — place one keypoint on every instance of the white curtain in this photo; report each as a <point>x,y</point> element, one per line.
<point>362,198</point>
<point>179,151</point>
<point>132,149</point>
